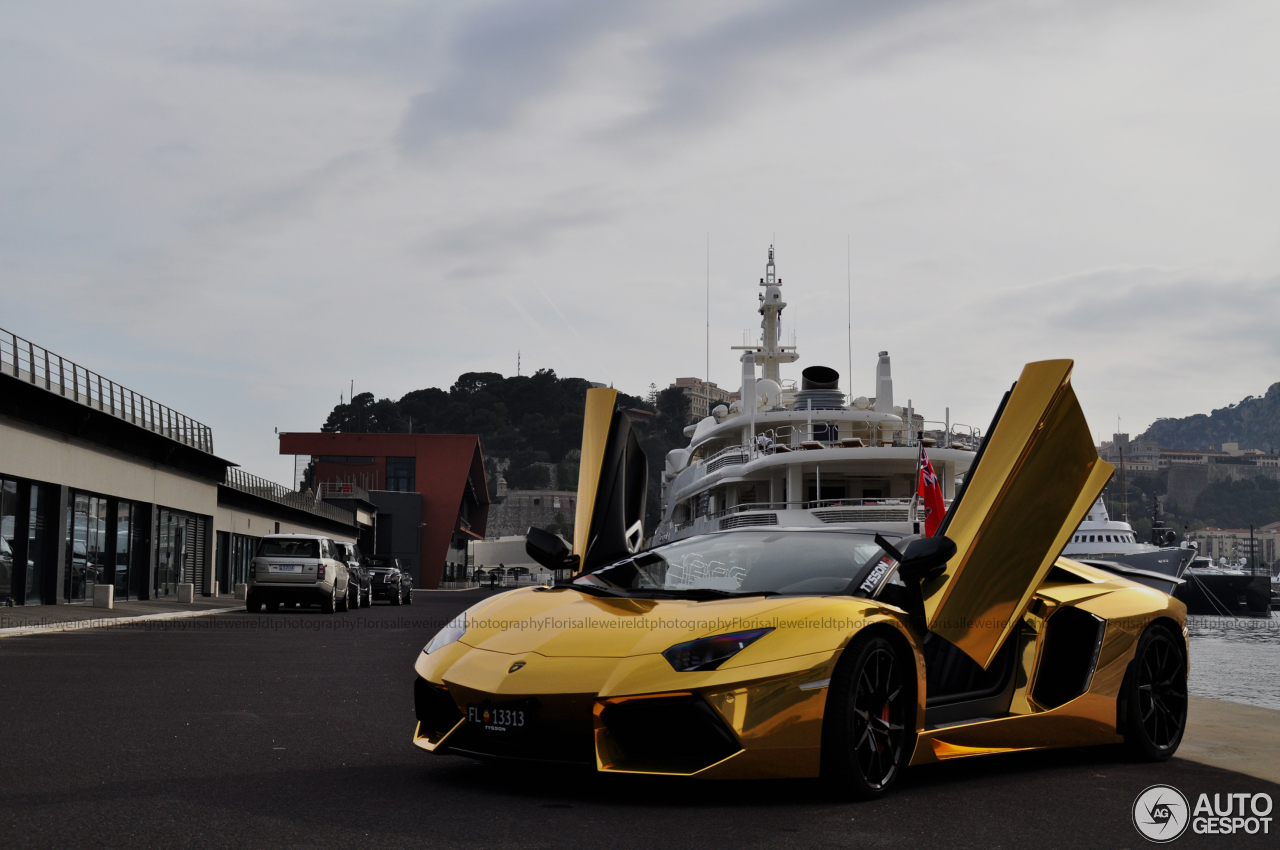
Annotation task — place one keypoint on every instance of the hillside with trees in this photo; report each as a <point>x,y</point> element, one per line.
<point>527,424</point>
<point>1254,423</point>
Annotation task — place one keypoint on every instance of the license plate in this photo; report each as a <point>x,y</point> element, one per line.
<point>509,719</point>
<point>284,568</point>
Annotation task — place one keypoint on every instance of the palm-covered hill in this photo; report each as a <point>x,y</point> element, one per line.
<point>526,424</point>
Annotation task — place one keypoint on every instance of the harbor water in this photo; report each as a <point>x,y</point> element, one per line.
<point>1235,659</point>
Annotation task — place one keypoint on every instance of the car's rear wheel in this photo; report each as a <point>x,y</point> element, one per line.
<point>329,604</point>
<point>869,719</point>
<point>252,604</point>
<point>344,604</point>
<point>1155,693</point>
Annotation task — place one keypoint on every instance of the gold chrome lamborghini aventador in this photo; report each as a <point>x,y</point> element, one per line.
<point>848,654</point>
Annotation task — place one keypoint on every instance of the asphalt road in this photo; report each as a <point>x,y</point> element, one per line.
<point>280,730</point>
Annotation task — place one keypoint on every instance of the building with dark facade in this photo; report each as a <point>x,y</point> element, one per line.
<point>429,489</point>
<point>100,485</point>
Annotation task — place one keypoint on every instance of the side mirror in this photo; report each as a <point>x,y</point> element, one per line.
<point>923,558</point>
<point>549,550</point>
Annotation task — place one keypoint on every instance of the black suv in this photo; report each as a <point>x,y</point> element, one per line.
<point>358,566</point>
<point>390,579</point>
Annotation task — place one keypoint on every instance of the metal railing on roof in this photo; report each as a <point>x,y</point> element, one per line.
<point>40,367</point>
<point>238,479</point>
<point>341,490</point>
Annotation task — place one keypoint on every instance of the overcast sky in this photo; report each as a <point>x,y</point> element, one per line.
<point>239,208</point>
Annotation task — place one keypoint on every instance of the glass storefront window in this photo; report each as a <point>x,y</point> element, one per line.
<point>124,544</point>
<point>86,545</point>
<point>242,549</point>
<point>8,528</point>
<point>35,549</point>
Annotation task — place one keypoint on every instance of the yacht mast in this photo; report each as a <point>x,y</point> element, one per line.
<point>769,354</point>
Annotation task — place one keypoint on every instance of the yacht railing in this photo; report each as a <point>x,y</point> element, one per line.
<point>829,435</point>
<point>40,367</point>
<point>742,507</point>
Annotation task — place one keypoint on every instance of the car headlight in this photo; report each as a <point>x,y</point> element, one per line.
<point>449,634</point>
<point>708,653</point>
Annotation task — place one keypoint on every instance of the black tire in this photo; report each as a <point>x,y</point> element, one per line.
<point>394,598</point>
<point>1155,696</point>
<point>408,596</point>
<point>252,604</point>
<point>273,607</point>
<point>329,604</point>
<point>366,599</point>
<point>868,730</point>
<point>344,604</point>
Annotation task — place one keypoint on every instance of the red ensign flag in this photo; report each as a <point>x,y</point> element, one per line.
<point>930,495</point>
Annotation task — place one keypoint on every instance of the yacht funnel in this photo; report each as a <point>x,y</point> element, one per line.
<point>819,378</point>
<point>884,385</point>
<point>819,390</point>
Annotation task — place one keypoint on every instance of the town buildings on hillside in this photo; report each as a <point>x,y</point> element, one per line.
<point>703,396</point>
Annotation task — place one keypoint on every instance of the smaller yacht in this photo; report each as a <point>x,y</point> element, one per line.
<point>1113,545</point>
<point>1226,589</point>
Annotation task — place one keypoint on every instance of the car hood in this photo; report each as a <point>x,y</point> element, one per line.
<point>568,623</point>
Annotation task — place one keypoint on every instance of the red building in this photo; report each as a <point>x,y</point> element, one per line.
<point>430,491</point>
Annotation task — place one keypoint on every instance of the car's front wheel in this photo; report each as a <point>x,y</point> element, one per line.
<point>408,596</point>
<point>869,718</point>
<point>1155,695</point>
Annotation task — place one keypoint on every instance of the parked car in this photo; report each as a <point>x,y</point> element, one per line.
<point>390,579</point>
<point>357,566</point>
<point>305,569</point>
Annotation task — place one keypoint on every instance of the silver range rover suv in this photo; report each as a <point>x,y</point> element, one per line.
<point>305,569</point>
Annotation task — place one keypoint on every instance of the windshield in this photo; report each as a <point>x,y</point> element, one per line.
<point>283,547</point>
<point>381,563</point>
<point>805,562</point>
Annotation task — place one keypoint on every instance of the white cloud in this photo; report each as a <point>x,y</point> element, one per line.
<point>239,210</point>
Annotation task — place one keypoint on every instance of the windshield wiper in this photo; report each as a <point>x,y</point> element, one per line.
<point>714,593</point>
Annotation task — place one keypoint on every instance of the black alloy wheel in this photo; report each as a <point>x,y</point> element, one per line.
<point>1156,696</point>
<point>869,719</point>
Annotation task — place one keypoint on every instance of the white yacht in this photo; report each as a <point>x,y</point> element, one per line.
<point>1113,545</point>
<point>806,455</point>
<point>1100,537</point>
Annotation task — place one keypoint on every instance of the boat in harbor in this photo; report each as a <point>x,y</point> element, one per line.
<point>1113,545</point>
<point>1225,589</point>
<point>806,454</point>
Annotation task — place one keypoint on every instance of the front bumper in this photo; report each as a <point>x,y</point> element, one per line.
<point>754,721</point>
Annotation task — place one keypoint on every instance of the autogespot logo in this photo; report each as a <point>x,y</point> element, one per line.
<point>1160,813</point>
